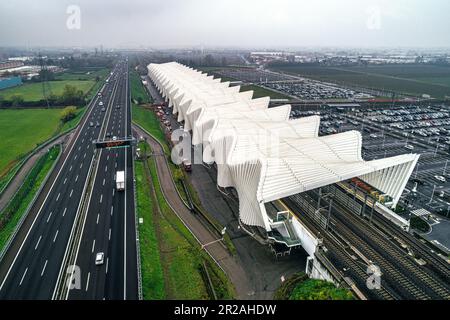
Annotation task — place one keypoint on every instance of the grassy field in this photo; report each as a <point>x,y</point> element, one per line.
<point>171,259</point>
<point>83,75</point>
<point>412,79</point>
<point>152,273</point>
<point>259,92</point>
<point>149,122</point>
<point>138,92</point>
<point>33,91</point>
<point>24,129</point>
<point>11,215</point>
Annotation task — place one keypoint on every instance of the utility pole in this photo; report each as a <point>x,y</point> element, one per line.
<point>371,211</point>
<point>318,200</point>
<point>329,214</point>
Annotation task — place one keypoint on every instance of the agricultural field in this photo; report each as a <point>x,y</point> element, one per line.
<point>33,91</point>
<point>412,79</point>
<point>23,129</point>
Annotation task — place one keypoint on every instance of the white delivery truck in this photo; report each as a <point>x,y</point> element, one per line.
<point>120,180</point>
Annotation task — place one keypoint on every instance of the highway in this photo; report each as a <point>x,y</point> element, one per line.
<point>110,223</point>
<point>33,263</point>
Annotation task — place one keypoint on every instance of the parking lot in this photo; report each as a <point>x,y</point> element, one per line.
<point>295,86</point>
<point>383,133</point>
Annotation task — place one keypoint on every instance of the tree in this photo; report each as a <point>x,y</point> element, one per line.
<point>16,100</point>
<point>68,113</point>
<point>71,95</point>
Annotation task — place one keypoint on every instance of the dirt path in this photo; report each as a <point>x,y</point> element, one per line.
<point>220,254</point>
<point>18,179</point>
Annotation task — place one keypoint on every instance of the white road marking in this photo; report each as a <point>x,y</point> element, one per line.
<point>109,236</point>
<point>87,281</point>
<point>106,168</point>
<point>70,169</point>
<point>84,155</point>
<point>43,269</point>
<point>93,246</point>
<point>64,212</point>
<point>37,244</point>
<point>115,165</point>
<point>104,181</point>
<point>56,235</point>
<point>65,180</point>
<point>81,165</point>
<point>107,158</point>
<point>114,190</point>
<point>101,198</point>
<point>71,191</point>
<point>23,276</point>
<point>75,158</point>
<point>79,148</point>
<point>49,216</point>
<point>76,178</point>
<point>112,210</point>
<point>98,217</point>
<point>57,198</point>
<point>107,263</point>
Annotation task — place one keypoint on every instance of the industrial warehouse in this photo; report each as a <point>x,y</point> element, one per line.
<point>263,154</point>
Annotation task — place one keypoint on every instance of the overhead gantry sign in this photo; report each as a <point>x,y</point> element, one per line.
<point>118,143</point>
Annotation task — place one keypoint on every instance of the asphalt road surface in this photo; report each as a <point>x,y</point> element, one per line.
<point>34,261</point>
<point>110,222</point>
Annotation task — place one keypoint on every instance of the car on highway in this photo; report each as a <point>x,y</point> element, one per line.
<point>91,124</point>
<point>103,110</point>
<point>118,106</point>
<point>100,103</point>
<point>409,147</point>
<point>114,138</point>
<point>99,258</point>
<point>440,178</point>
<point>97,124</point>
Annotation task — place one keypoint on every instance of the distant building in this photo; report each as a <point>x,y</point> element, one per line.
<point>10,64</point>
<point>10,82</point>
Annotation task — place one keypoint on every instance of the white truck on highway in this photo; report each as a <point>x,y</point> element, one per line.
<point>120,180</point>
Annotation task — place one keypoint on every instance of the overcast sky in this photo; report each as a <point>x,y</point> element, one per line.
<point>236,23</point>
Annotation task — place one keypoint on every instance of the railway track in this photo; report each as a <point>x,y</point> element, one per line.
<point>401,273</point>
<point>338,253</point>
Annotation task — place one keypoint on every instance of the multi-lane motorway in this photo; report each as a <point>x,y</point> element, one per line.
<point>36,260</point>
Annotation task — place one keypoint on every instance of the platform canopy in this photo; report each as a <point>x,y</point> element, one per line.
<point>262,153</point>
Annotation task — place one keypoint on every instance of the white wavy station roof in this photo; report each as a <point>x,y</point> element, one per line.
<point>262,153</point>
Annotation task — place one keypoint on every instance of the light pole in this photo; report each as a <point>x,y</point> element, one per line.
<point>432,194</point>
<point>212,242</point>
<point>435,151</point>
<point>417,169</point>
